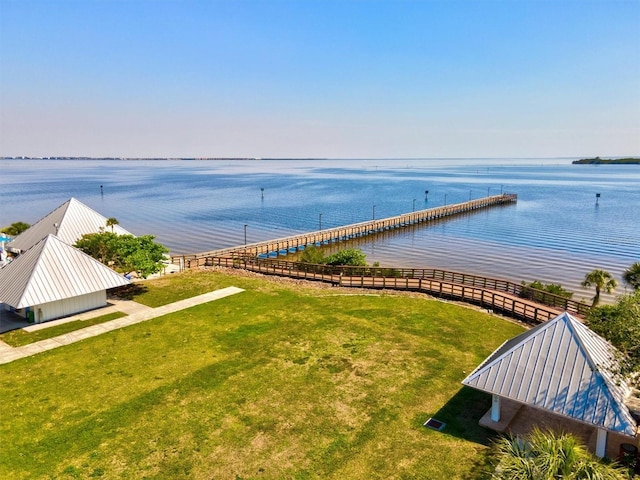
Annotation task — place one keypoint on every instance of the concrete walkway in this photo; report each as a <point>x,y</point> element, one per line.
<point>136,313</point>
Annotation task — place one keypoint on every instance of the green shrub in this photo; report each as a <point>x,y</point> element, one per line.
<point>537,291</point>
<point>349,256</point>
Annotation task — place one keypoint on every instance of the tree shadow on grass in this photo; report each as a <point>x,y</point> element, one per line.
<point>128,292</point>
<point>461,414</point>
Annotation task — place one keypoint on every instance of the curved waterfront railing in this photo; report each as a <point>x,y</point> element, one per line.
<point>490,293</point>
<point>510,298</point>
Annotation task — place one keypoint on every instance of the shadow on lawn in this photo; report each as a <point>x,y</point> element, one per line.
<point>128,292</point>
<point>461,414</point>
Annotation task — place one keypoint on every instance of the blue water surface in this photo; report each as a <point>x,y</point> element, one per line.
<point>556,232</point>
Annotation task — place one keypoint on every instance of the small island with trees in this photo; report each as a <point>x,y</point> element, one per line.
<point>607,161</point>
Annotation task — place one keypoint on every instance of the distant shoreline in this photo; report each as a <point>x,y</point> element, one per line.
<point>138,158</point>
<point>584,161</point>
<point>605,161</point>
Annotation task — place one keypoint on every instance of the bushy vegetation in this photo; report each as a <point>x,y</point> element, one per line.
<point>313,255</point>
<point>124,253</point>
<point>15,228</point>
<point>620,324</point>
<point>546,455</point>
<point>348,256</point>
<point>535,289</point>
<point>552,294</point>
<point>631,276</point>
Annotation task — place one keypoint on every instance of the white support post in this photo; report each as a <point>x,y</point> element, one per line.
<point>495,408</point>
<point>601,443</point>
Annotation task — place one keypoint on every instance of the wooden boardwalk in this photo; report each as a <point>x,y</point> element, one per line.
<point>294,243</point>
<point>511,299</point>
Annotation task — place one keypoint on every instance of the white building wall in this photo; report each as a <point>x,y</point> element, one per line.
<point>69,306</point>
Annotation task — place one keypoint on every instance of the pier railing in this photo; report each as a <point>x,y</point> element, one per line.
<point>490,293</point>
<point>293,243</point>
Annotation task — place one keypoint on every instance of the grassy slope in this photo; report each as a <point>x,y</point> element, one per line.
<point>275,382</point>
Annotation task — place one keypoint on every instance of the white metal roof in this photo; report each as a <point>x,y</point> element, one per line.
<point>563,367</point>
<point>68,222</point>
<point>53,270</point>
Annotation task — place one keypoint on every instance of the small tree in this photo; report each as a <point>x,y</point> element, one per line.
<point>140,254</point>
<point>314,255</point>
<point>631,276</point>
<point>601,280</point>
<point>101,246</point>
<point>15,228</point>
<point>348,256</point>
<point>124,253</point>
<point>620,324</point>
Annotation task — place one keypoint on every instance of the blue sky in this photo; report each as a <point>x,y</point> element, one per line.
<point>311,78</point>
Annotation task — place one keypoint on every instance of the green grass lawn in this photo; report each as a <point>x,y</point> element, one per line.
<point>17,338</point>
<point>281,381</point>
<point>172,288</point>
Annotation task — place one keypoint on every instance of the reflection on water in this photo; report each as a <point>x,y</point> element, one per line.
<point>555,233</point>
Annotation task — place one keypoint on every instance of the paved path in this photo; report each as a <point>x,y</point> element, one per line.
<point>136,313</point>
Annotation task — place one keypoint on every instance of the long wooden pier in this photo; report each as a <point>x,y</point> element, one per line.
<point>512,299</point>
<point>294,243</point>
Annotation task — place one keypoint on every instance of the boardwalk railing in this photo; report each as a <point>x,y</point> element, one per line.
<point>293,243</point>
<point>490,293</point>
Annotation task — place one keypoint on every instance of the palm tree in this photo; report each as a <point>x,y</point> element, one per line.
<point>549,456</point>
<point>631,276</point>
<point>111,221</point>
<point>601,280</point>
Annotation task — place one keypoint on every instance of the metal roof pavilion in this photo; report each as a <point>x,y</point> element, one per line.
<point>563,367</point>
<point>52,270</point>
<point>68,222</point>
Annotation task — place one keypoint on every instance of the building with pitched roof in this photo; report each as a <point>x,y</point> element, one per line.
<point>68,222</point>
<point>52,279</point>
<point>565,371</point>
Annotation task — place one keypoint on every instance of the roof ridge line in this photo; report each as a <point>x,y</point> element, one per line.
<point>581,345</point>
<point>66,208</point>
<point>33,270</point>
<point>592,363</point>
<point>608,380</point>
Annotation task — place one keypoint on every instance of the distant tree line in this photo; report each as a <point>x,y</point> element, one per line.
<point>605,161</point>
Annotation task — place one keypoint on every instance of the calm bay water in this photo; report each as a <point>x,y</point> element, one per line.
<point>555,233</point>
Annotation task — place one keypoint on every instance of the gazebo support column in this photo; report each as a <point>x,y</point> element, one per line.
<point>495,408</point>
<point>601,443</point>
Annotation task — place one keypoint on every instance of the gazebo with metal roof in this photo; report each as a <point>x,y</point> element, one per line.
<point>562,368</point>
<point>68,222</point>
<point>53,279</point>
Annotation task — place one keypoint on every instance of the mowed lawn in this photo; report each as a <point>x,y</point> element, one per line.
<point>282,381</point>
